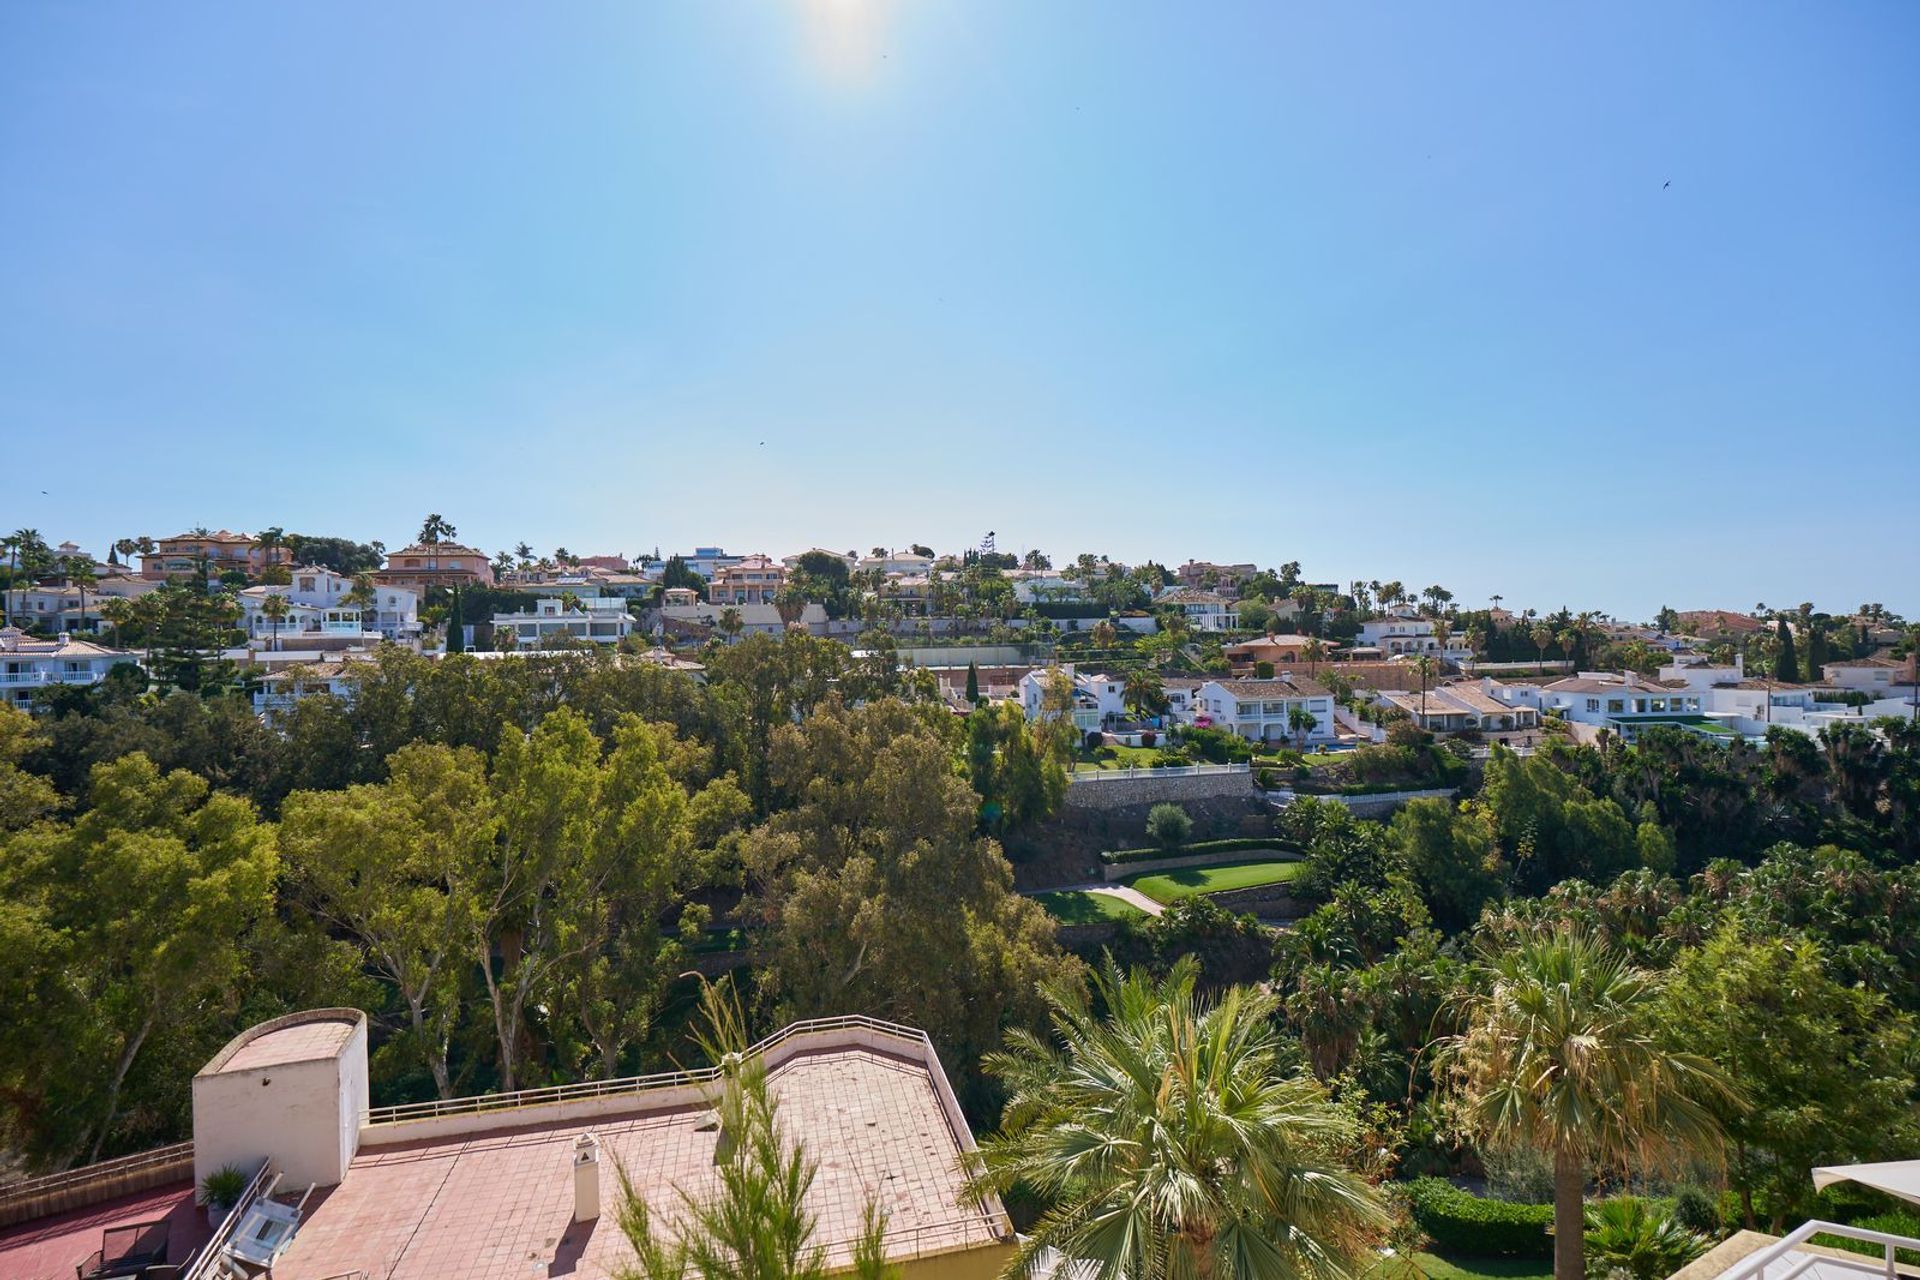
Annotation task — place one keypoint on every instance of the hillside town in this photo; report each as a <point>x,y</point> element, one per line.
<point>1262,654</point>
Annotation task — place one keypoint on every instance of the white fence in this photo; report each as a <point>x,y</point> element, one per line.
<point>1149,775</point>
<point>1755,1266</point>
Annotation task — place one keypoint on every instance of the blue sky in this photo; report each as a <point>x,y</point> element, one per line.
<point>1395,291</point>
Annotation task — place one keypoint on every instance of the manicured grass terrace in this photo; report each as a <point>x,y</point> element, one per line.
<point>1078,906</point>
<point>1171,886</point>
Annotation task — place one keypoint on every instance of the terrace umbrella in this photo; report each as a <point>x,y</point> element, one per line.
<point>1895,1177</point>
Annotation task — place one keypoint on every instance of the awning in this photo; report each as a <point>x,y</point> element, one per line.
<point>1895,1177</point>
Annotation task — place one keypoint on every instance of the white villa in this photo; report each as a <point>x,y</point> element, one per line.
<point>1404,631</point>
<point>1880,676</point>
<point>1467,705</point>
<point>600,619</point>
<point>1263,710</point>
<point>319,605</point>
<point>28,665</point>
<point>1098,700</point>
<point>1205,610</point>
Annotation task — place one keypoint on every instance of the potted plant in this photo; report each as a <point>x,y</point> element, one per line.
<point>221,1190</point>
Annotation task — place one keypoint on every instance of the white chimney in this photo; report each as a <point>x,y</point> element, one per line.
<point>586,1178</point>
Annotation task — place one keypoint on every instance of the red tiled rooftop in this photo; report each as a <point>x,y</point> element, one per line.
<point>498,1204</point>
<point>50,1248</point>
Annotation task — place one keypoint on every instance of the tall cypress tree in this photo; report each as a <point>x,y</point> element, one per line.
<point>973,683</point>
<point>1816,650</point>
<point>1784,665</point>
<point>456,639</point>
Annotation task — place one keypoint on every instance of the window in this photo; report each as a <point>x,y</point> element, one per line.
<point>1614,704</point>
<point>1593,704</point>
<point>306,584</point>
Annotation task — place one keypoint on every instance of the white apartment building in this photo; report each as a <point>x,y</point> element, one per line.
<point>1263,710</point>
<point>599,619</point>
<point>57,608</point>
<point>29,665</point>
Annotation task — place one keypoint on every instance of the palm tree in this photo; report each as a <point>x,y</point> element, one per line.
<point>1165,1139</point>
<point>730,623</point>
<point>1561,1055</point>
<point>756,1222</point>
<point>1315,650</point>
<point>1426,666</point>
<point>1302,722</point>
<point>118,611</point>
<point>79,573</point>
<point>270,540</point>
<point>365,596</point>
<point>1542,636</point>
<point>275,609</point>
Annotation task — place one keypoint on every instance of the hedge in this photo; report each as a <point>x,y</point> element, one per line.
<point>1458,1221</point>
<point>1235,844</point>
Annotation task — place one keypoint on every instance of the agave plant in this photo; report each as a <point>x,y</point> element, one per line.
<point>1628,1234</point>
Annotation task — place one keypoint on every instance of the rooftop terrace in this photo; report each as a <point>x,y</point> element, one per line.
<point>495,1201</point>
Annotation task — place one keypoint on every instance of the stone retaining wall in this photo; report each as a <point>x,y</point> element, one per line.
<point>1378,805</point>
<point>1267,900</point>
<point>1148,787</point>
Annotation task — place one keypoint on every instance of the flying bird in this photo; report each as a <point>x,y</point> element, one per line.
<point>1666,184</point>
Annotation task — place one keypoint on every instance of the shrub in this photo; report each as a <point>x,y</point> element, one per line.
<point>1629,1235</point>
<point>1168,825</point>
<point>1460,1222</point>
<point>1149,738</point>
<point>221,1189</point>
<point>1218,746</point>
<point>1171,758</point>
<point>1697,1209</point>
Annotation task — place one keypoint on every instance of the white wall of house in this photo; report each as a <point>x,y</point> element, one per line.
<point>1881,680</point>
<point>600,619</point>
<point>1264,716</point>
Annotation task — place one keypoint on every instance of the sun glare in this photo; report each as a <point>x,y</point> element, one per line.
<point>847,38</point>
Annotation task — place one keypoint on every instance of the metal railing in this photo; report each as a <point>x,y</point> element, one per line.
<point>1173,771</point>
<point>1754,1267</point>
<point>117,1167</point>
<point>209,1263</point>
<point>587,1089</point>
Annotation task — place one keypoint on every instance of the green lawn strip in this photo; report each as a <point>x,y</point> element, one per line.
<point>1459,1267</point>
<point>1171,886</point>
<point>1078,906</point>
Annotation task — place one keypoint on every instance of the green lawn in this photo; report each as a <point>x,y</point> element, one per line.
<point>1435,1267</point>
<point>1171,886</point>
<point>1077,906</point>
<point>1118,758</point>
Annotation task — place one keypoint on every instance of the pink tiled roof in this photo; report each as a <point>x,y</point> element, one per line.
<point>498,1204</point>
<point>301,1042</point>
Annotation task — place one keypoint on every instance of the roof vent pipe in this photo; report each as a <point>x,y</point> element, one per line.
<point>586,1178</point>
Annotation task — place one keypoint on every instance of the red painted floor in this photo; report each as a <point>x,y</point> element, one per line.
<point>50,1248</point>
